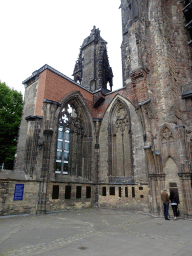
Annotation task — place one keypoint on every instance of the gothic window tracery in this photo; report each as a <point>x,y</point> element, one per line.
<point>120,152</point>
<point>166,136</point>
<point>168,143</point>
<point>71,154</point>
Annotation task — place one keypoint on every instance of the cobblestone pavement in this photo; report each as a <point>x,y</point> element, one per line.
<point>94,232</point>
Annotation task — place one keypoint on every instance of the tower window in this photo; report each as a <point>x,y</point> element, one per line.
<point>108,86</point>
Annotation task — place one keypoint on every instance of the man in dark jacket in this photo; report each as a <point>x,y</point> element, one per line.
<point>165,199</point>
<point>174,203</point>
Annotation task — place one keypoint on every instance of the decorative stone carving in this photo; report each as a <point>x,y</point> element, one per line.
<point>122,118</point>
<point>166,136</point>
<point>185,176</point>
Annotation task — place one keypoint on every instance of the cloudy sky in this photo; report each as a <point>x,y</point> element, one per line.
<point>38,32</point>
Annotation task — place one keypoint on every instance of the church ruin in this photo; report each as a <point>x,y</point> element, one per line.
<point>82,144</point>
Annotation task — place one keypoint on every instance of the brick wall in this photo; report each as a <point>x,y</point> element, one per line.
<point>54,87</point>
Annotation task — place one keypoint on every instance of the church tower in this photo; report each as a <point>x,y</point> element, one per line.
<point>92,69</point>
<point>133,50</point>
<point>157,60</point>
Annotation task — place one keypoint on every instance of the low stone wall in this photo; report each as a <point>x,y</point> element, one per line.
<point>130,197</point>
<point>65,196</point>
<point>10,204</point>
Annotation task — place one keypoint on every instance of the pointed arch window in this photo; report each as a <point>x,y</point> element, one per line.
<point>62,159</point>
<point>63,141</point>
<point>120,142</point>
<point>73,151</point>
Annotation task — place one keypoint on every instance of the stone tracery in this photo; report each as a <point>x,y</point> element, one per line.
<point>120,160</point>
<point>74,159</point>
<point>166,136</point>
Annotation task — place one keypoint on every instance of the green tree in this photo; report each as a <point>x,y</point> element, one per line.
<point>11,102</point>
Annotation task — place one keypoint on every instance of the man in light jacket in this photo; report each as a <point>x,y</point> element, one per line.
<point>165,199</point>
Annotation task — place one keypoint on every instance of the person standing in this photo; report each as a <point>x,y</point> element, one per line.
<point>165,199</point>
<point>174,203</point>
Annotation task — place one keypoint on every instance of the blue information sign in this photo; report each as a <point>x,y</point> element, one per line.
<point>18,195</point>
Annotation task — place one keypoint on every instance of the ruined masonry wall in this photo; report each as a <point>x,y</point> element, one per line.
<point>28,109</point>
<point>139,162</point>
<point>57,88</point>
<point>138,202</point>
<point>73,203</point>
<point>26,206</point>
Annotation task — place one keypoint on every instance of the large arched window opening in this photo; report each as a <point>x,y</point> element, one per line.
<point>120,142</point>
<point>74,144</point>
<point>63,139</point>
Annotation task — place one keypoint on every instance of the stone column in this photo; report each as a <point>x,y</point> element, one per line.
<point>157,181</point>
<point>97,146</point>
<point>186,179</point>
<point>151,172</point>
<point>153,193</point>
<point>41,204</point>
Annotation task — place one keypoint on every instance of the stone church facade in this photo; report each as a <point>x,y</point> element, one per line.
<point>82,144</point>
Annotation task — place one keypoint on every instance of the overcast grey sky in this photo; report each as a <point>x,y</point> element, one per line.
<point>38,32</point>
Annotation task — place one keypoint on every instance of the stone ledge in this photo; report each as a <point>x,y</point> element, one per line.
<point>12,175</point>
<point>143,103</point>
<point>33,118</point>
<point>187,94</point>
<point>52,102</point>
<point>186,87</point>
